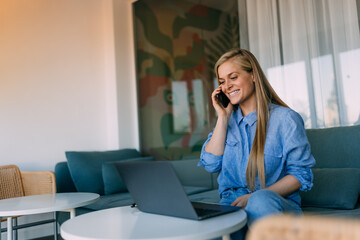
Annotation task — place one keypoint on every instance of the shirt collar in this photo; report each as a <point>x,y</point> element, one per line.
<point>250,119</point>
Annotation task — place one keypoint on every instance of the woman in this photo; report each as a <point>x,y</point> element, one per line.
<point>259,145</point>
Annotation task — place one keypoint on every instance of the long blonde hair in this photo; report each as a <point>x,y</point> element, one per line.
<point>264,94</point>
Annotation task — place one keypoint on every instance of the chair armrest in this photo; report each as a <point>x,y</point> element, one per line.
<point>38,182</point>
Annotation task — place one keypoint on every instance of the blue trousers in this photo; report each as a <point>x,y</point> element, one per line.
<point>260,204</point>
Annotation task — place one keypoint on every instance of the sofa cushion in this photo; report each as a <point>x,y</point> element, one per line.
<point>333,188</point>
<point>86,167</point>
<point>211,196</point>
<point>113,182</point>
<point>330,212</point>
<point>335,147</point>
<point>111,201</point>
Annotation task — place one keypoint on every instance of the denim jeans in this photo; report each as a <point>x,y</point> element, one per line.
<point>260,204</point>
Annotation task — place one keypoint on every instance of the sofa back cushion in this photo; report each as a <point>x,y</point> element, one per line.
<point>336,147</point>
<point>86,167</point>
<point>333,188</point>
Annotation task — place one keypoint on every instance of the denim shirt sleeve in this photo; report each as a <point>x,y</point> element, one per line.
<point>212,163</point>
<point>297,151</point>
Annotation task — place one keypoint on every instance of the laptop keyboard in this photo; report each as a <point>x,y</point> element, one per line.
<point>205,212</point>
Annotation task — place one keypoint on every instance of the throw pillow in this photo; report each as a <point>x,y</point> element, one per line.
<point>86,167</point>
<point>113,182</point>
<point>333,188</point>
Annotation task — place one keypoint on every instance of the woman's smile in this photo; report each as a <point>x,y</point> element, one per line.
<point>233,92</point>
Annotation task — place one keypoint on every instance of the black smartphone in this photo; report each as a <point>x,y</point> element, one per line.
<point>223,99</point>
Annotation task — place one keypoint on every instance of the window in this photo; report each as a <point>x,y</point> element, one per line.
<point>310,51</point>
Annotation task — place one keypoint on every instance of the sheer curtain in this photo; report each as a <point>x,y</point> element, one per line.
<point>310,51</point>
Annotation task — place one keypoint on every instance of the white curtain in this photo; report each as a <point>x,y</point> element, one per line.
<point>310,51</point>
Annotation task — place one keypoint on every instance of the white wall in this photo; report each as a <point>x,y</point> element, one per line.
<point>67,82</point>
<point>67,79</point>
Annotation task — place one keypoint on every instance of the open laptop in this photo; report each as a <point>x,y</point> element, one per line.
<point>155,188</point>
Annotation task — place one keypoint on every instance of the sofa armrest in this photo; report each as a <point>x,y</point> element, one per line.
<point>64,182</point>
<point>38,182</point>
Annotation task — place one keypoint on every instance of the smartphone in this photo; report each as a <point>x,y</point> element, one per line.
<point>223,99</point>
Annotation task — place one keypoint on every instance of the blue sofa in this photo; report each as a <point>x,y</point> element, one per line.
<point>198,184</point>
<point>336,175</point>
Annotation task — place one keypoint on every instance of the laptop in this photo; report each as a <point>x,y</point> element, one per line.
<point>155,188</point>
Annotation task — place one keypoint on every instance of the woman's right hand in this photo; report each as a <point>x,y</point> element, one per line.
<point>220,110</point>
<point>216,145</point>
<point>241,201</point>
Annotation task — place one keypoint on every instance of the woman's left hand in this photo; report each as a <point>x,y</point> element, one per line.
<point>241,201</point>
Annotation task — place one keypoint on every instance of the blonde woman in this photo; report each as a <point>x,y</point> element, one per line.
<point>259,145</point>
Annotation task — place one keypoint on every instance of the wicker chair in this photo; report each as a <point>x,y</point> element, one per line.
<point>10,182</point>
<point>14,183</point>
<point>308,227</point>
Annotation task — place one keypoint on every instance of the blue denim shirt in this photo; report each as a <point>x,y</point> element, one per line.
<point>287,151</point>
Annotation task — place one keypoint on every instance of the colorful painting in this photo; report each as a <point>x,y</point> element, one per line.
<point>177,45</point>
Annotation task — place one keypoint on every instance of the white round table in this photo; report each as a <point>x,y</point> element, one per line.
<point>131,223</point>
<point>45,203</point>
